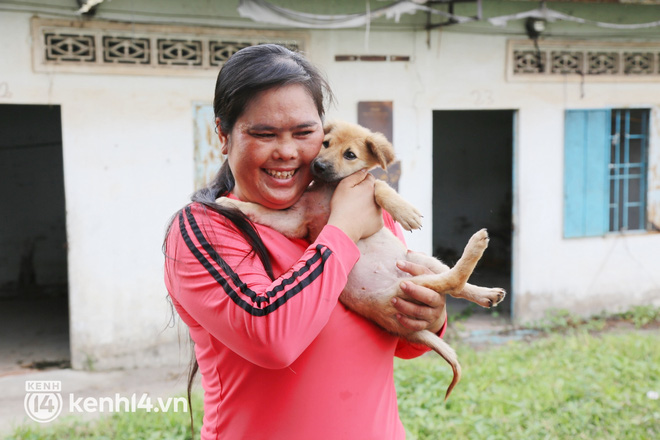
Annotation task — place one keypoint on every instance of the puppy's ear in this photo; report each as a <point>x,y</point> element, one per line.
<point>381,149</point>
<point>328,127</point>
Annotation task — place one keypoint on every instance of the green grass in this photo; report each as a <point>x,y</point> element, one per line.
<point>561,320</point>
<point>568,385</point>
<point>565,386</point>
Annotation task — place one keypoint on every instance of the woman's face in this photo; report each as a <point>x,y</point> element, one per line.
<point>272,145</point>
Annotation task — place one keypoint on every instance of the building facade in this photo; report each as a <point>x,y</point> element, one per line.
<point>554,146</point>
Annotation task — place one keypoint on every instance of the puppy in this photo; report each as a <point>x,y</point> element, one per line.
<point>375,279</point>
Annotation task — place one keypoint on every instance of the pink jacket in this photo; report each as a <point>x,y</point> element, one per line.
<point>281,359</point>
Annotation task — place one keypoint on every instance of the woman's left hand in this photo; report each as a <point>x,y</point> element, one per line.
<point>423,309</point>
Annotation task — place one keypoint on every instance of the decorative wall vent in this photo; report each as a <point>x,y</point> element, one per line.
<point>64,48</point>
<point>573,60</point>
<point>109,47</point>
<point>222,50</point>
<point>126,50</point>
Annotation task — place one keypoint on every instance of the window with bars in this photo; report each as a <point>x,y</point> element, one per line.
<point>627,169</point>
<point>605,171</point>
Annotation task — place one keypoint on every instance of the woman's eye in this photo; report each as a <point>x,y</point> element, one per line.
<point>263,135</point>
<point>348,154</point>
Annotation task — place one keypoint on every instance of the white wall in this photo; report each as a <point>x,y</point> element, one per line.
<point>128,162</point>
<point>463,71</point>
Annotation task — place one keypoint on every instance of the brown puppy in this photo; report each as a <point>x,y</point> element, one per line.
<point>375,279</point>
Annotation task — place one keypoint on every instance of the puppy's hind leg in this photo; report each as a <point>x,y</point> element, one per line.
<point>433,264</point>
<point>484,296</point>
<point>454,281</point>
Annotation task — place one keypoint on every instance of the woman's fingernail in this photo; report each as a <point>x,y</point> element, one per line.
<point>404,285</point>
<point>400,264</point>
<point>394,300</point>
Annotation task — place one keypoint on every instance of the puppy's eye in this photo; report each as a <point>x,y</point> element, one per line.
<point>348,154</point>
<point>326,144</point>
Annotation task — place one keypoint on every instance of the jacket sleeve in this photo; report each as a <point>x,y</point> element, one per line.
<point>405,349</point>
<point>216,282</point>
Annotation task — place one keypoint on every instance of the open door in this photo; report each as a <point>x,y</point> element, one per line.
<point>33,243</point>
<point>472,189</point>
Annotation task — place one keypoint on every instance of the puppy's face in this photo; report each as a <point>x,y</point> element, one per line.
<point>348,148</point>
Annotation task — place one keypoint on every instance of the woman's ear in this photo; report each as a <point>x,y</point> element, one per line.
<point>222,136</point>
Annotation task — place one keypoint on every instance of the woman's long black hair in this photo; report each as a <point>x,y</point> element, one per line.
<point>247,73</point>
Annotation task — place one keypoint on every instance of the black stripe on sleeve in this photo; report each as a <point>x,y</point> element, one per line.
<point>298,279</point>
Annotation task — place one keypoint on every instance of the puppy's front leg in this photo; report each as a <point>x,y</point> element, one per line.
<point>402,211</point>
<point>290,222</point>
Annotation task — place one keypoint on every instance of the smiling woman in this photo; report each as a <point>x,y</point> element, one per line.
<point>272,145</point>
<point>280,358</point>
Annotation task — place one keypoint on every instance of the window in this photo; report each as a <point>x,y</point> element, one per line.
<point>627,170</point>
<point>605,171</point>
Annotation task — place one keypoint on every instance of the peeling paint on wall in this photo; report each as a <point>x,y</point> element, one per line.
<point>208,157</point>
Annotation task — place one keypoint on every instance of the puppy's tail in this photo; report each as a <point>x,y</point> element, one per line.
<point>432,340</point>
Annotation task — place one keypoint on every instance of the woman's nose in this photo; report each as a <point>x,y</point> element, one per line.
<point>285,150</point>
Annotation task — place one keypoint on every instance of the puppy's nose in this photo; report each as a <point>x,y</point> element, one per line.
<point>319,167</point>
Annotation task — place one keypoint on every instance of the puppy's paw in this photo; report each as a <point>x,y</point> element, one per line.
<point>407,216</point>
<point>488,298</point>
<point>495,296</point>
<point>477,244</point>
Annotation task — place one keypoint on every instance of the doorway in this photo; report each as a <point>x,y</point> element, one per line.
<point>473,189</point>
<point>33,241</point>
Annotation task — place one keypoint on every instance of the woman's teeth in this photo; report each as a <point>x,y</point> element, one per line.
<point>281,174</point>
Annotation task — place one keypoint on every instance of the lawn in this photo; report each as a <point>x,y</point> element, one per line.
<point>572,384</point>
<point>566,386</point>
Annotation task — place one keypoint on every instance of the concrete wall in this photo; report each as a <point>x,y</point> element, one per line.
<point>127,147</point>
<point>463,71</point>
<point>128,163</point>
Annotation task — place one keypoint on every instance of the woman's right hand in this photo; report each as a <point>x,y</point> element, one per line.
<point>353,208</point>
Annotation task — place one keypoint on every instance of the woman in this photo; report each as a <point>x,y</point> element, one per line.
<point>280,357</point>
